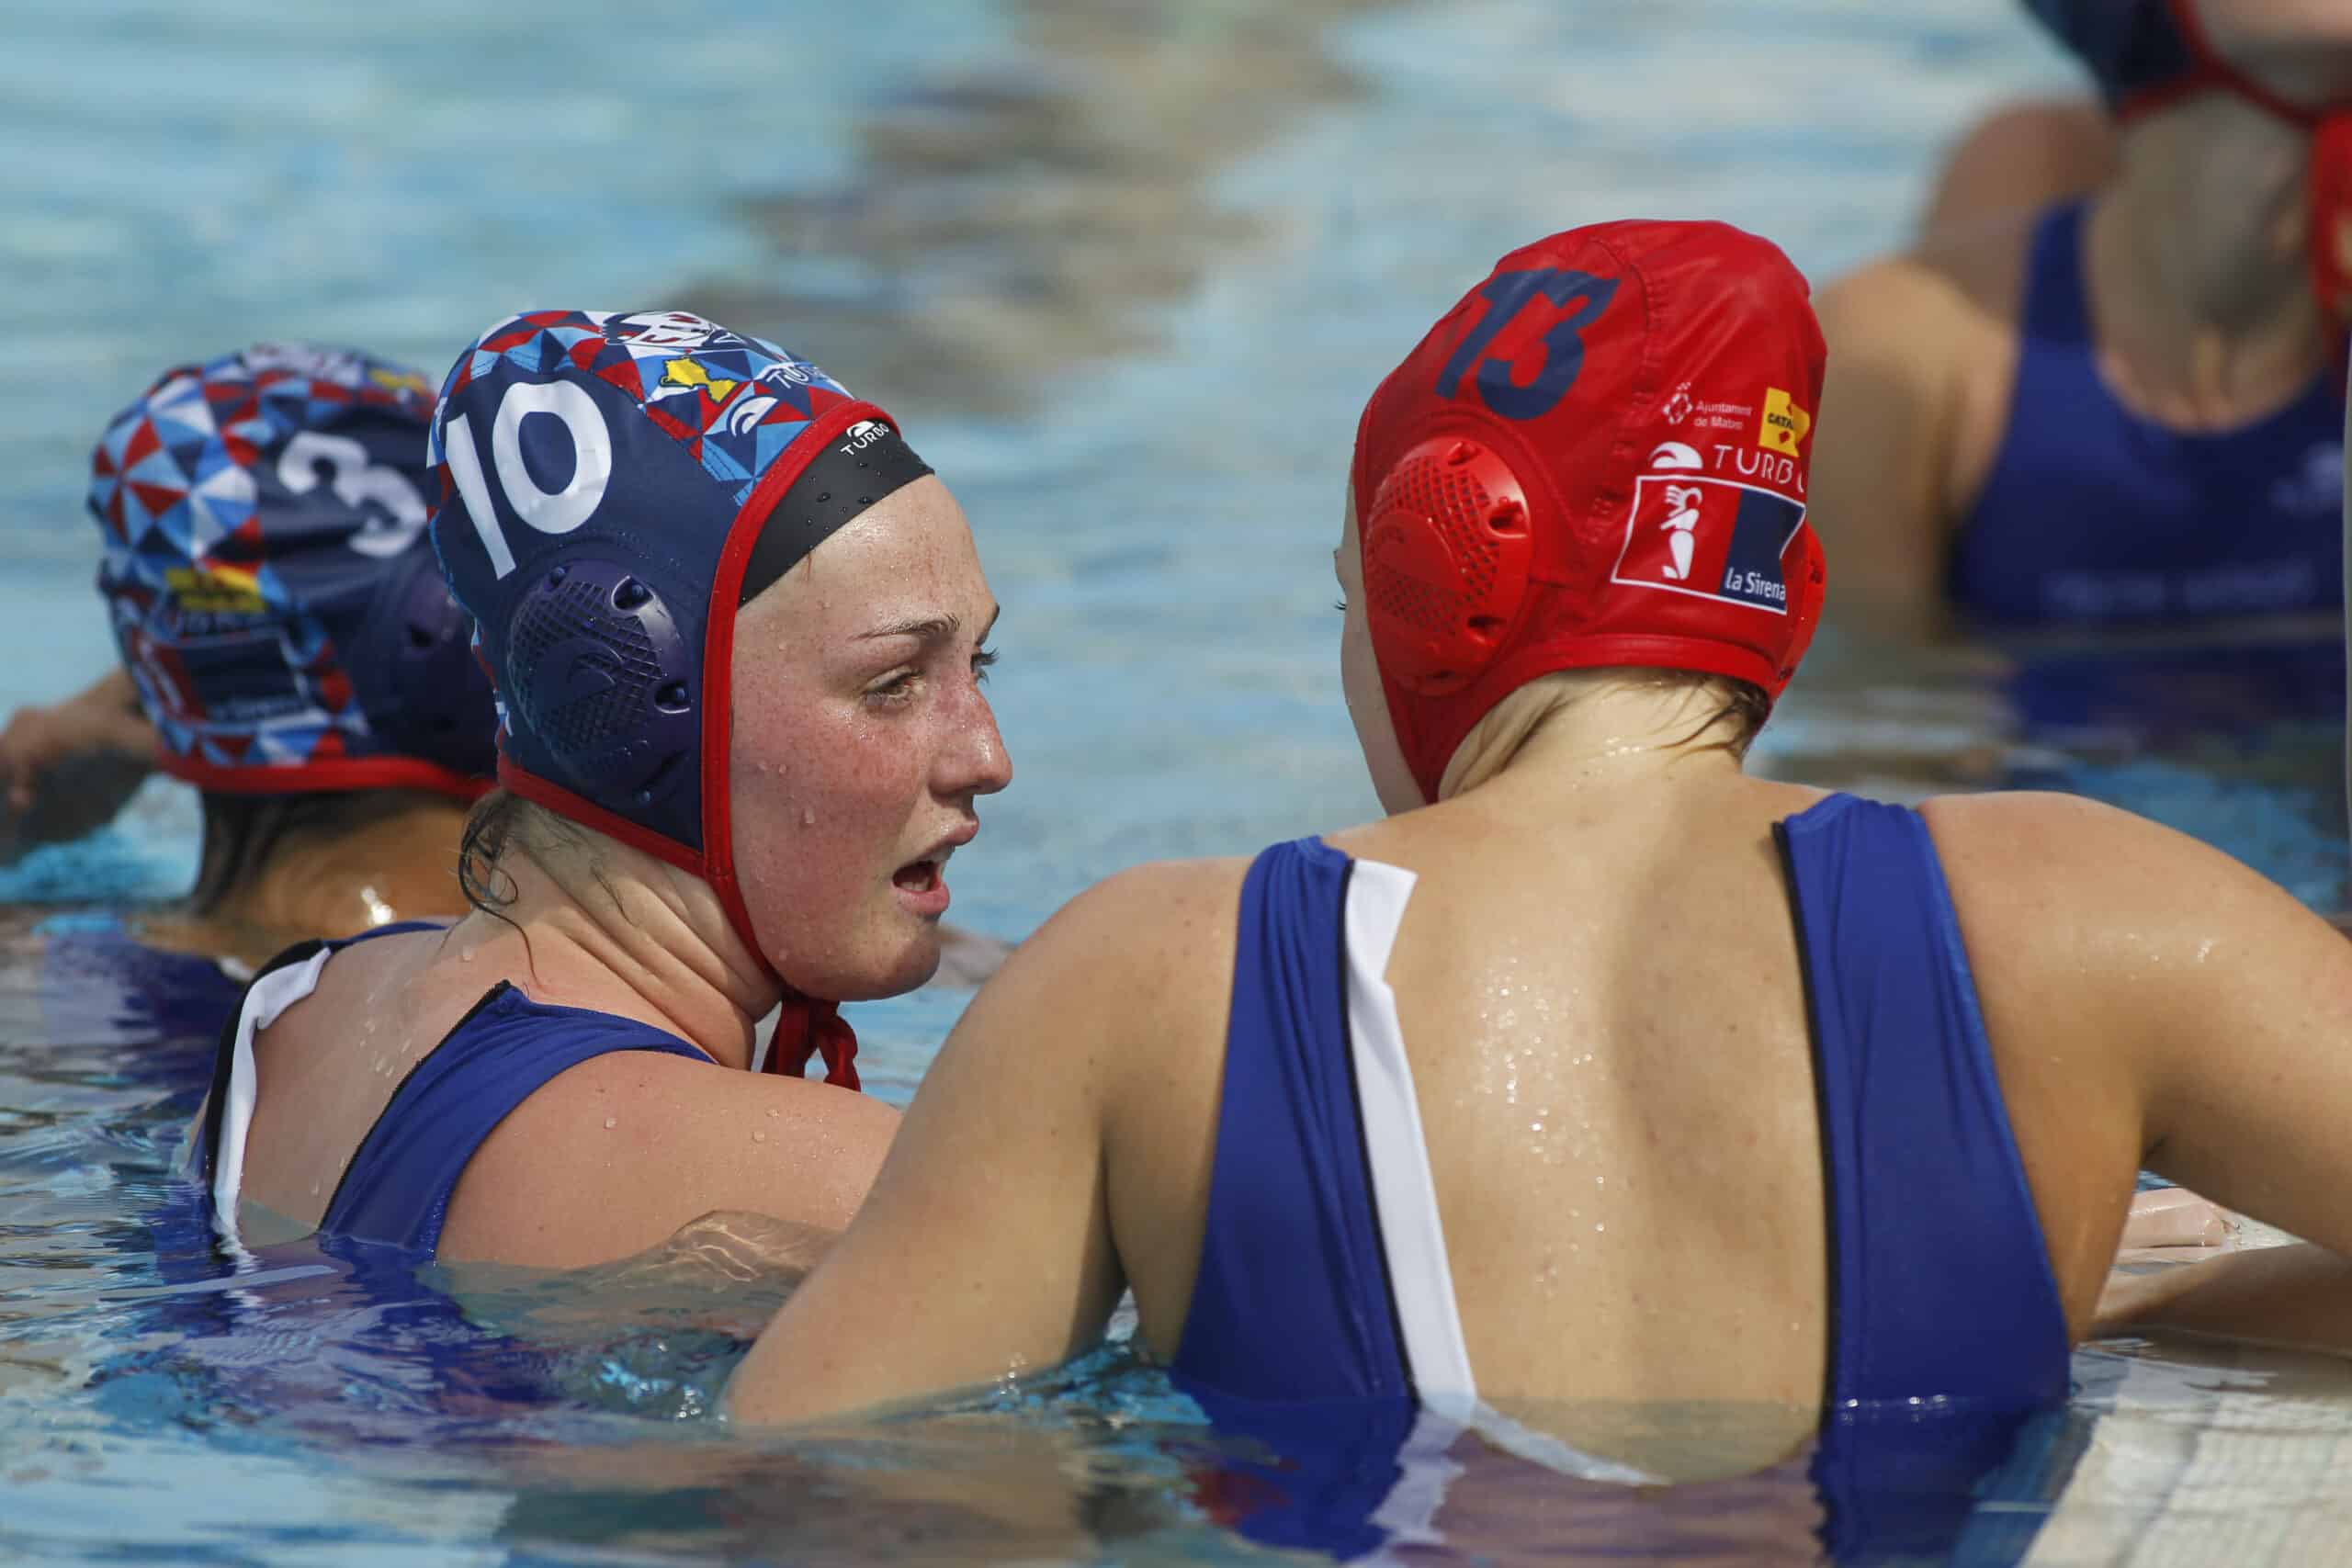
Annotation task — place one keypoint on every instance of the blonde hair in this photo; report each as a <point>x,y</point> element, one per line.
<point>1511,724</point>
<point>502,821</point>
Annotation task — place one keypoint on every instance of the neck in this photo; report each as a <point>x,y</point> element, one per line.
<point>596,923</point>
<point>2196,269</point>
<point>402,867</point>
<point>1595,735</point>
<point>331,882</point>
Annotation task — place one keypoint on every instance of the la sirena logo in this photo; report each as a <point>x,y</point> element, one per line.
<point>1524,311</point>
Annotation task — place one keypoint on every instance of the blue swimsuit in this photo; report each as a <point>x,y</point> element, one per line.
<point>1323,1274</point>
<point>1324,1302</point>
<point>2094,515</point>
<point>396,1191</point>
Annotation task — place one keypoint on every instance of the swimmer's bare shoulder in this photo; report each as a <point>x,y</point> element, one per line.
<point>614,1156</point>
<point>1923,349</point>
<point>1060,1149</point>
<point>2149,1000</point>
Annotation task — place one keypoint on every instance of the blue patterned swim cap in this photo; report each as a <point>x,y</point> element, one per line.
<point>612,487</point>
<point>271,589</point>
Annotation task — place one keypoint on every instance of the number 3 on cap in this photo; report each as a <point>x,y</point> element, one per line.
<point>549,512</point>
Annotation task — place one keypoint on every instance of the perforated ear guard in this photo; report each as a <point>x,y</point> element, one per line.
<point>1446,555</point>
<point>600,670</point>
<point>414,667</point>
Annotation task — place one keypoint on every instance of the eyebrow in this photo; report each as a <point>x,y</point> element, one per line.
<point>930,629</point>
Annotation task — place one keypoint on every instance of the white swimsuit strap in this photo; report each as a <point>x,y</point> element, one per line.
<point>1412,1236</point>
<point>265,999</point>
<point>1410,1232</point>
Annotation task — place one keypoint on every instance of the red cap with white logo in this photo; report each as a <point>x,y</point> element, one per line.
<point>1597,458</point>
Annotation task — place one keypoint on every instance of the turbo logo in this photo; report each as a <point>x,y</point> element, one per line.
<point>1513,325</point>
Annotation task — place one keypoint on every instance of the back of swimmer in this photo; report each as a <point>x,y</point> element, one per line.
<point>288,647</point>
<point>1598,1076</point>
<point>736,627</point>
<point>2125,407</point>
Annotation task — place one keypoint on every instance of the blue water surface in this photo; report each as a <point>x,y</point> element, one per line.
<point>1130,270</point>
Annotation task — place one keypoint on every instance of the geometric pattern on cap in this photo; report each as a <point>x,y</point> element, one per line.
<point>735,403</point>
<point>172,487</point>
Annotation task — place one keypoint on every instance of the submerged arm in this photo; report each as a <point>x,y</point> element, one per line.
<point>2299,1297</point>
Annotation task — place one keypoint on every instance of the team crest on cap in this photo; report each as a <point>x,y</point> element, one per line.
<point>1711,538</point>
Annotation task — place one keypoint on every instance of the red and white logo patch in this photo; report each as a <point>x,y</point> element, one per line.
<point>1714,538</point>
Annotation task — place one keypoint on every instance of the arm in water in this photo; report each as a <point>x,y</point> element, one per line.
<point>2151,1003</point>
<point>2297,1297</point>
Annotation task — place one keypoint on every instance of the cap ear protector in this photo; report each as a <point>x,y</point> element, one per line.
<point>413,667</point>
<point>601,673</point>
<point>1446,555</point>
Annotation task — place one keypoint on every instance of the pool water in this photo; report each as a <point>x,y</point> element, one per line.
<point>1126,271</point>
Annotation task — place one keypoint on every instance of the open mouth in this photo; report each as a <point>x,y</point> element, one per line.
<point>921,877</point>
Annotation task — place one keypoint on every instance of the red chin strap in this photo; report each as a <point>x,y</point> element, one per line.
<point>805,1026</point>
<point>808,1025</point>
<point>2331,171</point>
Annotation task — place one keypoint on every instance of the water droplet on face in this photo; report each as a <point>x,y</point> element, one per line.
<point>807,817</point>
<point>611,1122</point>
<point>466,957</point>
<point>1599,1225</point>
<point>314,1189</point>
<point>759,1137</point>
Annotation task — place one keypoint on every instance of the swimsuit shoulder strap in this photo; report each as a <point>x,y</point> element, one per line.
<point>236,1030</point>
<point>398,1185</point>
<point>1321,1181</point>
<point>1940,1281</point>
<point>2056,309</point>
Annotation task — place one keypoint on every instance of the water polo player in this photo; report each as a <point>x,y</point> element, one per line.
<point>285,630</point>
<point>2124,409</point>
<point>736,628</point>
<point>1614,1077</point>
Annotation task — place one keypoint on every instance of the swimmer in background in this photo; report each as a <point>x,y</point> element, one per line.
<point>736,630</point>
<point>1598,1074</point>
<point>2120,405</point>
<point>288,645</point>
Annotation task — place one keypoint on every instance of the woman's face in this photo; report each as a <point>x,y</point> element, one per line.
<point>1392,780</point>
<point>861,741</point>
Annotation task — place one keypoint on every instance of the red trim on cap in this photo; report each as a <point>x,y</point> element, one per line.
<point>588,814</point>
<point>808,1026</point>
<point>2211,71</point>
<point>332,775</point>
<point>719,658</point>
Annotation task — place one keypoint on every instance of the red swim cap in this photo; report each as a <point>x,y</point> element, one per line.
<point>1597,458</point>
